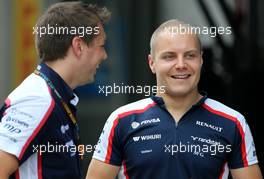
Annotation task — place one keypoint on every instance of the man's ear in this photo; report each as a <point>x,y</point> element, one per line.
<point>151,63</point>
<point>77,46</point>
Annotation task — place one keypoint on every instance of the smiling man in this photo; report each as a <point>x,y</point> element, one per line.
<point>39,134</point>
<point>179,133</point>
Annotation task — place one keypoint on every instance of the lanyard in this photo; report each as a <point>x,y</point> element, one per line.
<point>64,104</point>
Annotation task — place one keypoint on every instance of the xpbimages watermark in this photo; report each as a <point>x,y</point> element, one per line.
<point>129,89</point>
<point>60,30</point>
<point>66,148</point>
<point>203,30</point>
<point>195,149</point>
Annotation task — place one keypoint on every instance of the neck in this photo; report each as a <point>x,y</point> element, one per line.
<point>64,71</point>
<point>180,104</point>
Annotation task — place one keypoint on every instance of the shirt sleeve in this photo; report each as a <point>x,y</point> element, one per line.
<point>21,121</point>
<point>243,151</point>
<point>108,148</point>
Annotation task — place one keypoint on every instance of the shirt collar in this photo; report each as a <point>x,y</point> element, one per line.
<point>160,101</point>
<point>60,85</point>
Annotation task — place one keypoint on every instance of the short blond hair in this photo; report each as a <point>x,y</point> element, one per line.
<point>164,26</point>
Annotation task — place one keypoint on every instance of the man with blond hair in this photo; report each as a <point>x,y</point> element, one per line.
<point>180,133</point>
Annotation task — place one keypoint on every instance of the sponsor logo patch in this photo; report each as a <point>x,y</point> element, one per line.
<point>147,137</point>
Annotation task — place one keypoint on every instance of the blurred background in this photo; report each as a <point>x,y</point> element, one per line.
<point>233,64</point>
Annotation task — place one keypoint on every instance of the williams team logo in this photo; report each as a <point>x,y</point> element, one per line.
<point>136,138</point>
<point>147,137</point>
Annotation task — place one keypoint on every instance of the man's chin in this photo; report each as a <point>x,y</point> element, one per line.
<point>178,92</point>
<point>91,80</point>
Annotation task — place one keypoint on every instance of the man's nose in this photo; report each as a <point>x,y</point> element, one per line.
<point>180,63</point>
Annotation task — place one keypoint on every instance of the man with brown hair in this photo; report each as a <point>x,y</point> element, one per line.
<point>39,135</point>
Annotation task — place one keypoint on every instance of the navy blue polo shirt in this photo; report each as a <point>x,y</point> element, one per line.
<point>36,129</point>
<point>146,142</point>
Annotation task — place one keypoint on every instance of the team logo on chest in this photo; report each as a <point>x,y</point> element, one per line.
<point>210,126</point>
<point>147,137</point>
<point>135,125</point>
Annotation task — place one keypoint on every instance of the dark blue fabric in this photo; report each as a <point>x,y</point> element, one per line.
<point>148,149</point>
<point>57,164</point>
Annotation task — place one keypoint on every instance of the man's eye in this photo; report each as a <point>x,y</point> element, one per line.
<point>167,57</point>
<point>191,55</point>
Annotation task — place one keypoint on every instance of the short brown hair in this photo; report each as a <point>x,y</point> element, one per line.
<point>67,15</point>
